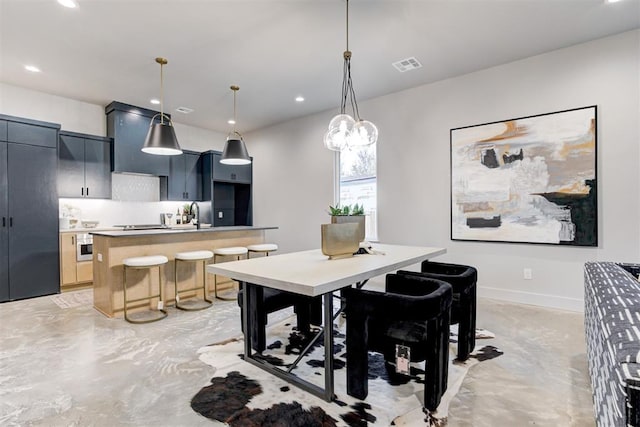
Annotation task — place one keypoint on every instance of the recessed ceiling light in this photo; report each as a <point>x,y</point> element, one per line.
<point>155,101</point>
<point>32,68</point>
<point>71,4</point>
<point>231,122</point>
<point>299,98</point>
<point>184,110</point>
<point>612,1</point>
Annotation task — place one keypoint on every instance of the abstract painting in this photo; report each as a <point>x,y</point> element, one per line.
<point>530,180</point>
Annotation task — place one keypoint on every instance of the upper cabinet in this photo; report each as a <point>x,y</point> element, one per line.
<point>230,173</point>
<point>84,166</point>
<point>3,130</point>
<point>185,177</point>
<point>128,126</point>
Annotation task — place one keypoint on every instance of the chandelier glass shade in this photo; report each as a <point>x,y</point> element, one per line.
<point>349,131</point>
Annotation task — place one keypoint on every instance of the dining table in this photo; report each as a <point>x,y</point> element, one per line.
<point>313,274</point>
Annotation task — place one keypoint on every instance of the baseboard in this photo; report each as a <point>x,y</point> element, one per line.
<point>542,300</point>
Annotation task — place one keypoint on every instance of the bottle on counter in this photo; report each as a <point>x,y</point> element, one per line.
<point>185,218</point>
<point>178,217</point>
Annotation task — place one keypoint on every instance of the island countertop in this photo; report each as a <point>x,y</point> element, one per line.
<point>110,248</point>
<point>178,230</point>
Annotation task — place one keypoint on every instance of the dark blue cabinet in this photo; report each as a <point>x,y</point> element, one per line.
<point>229,188</point>
<point>4,231</point>
<point>84,166</point>
<point>185,177</point>
<point>128,126</point>
<point>29,254</point>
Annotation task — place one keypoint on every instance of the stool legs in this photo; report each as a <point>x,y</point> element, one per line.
<point>215,283</point>
<point>158,295</point>
<point>203,287</point>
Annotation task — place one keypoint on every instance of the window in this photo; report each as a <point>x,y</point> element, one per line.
<point>357,184</point>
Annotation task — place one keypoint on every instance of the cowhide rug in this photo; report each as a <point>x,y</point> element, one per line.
<point>241,394</point>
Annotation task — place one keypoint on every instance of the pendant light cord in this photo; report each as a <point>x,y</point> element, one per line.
<point>347,84</point>
<point>161,94</point>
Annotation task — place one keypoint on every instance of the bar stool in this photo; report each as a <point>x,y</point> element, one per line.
<point>138,263</point>
<point>194,256</point>
<point>236,251</point>
<point>264,248</point>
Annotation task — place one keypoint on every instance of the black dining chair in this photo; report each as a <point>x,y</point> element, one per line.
<point>308,311</point>
<point>462,279</point>
<point>414,312</point>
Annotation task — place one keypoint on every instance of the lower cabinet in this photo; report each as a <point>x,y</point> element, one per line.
<point>73,272</point>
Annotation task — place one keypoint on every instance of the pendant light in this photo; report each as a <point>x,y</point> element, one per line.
<point>346,131</point>
<point>235,152</point>
<point>161,138</point>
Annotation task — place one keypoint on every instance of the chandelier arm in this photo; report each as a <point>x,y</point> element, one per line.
<point>345,87</point>
<point>352,96</point>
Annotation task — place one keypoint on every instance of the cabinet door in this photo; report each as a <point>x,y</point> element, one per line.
<point>97,169</point>
<point>71,166</point>
<point>177,178</point>
<point>230,173</point>
<point>67,259</point>
<point>130,132</point>
<point>34,267</point>
<point>193,176</point>
<point>3,130</point>
<point>32,134</point>
<point>84,271</point>
<point>4,230</point>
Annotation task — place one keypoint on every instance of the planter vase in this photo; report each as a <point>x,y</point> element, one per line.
<point>340,240</point>
<point>358,219</point>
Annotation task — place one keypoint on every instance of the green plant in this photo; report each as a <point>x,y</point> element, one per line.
<point>346,210</point>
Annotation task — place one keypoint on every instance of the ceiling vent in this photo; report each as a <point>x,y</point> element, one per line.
<point>407,64</point>
<point>184,110</point>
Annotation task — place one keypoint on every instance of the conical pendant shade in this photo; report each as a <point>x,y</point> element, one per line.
<point>161,140</point>
<point>235,153</point>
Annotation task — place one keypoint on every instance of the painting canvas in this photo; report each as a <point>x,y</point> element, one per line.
<point>531,179</point>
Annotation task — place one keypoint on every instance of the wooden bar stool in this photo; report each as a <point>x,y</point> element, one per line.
<point>144,262</point>
<point>236,251</point>
<point>264,248</point>
<point>195,257</point>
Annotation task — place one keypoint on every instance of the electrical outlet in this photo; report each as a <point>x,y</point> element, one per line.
<point>528,274</point>
<point>220,214</point>
<point>160,305</point>
<point>99,257</point>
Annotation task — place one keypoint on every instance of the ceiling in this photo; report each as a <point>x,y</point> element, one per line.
<point>276,50</point>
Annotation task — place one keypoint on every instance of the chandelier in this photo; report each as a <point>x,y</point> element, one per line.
<point>348,131</point>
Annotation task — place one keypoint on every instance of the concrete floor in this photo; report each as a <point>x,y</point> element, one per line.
<point>75,367</point>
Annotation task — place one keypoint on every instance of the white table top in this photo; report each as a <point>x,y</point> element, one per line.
<point>312,273</point>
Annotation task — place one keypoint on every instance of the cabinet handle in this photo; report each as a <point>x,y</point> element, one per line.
<point>4,221</point>
<point>87,191</point>
<point>233,176</point>
<point>82,191</point>
<point>73,240</point>
<point>10,221</point>
<point>187,193</point>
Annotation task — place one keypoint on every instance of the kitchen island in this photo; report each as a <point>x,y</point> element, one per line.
<point>111,247</point>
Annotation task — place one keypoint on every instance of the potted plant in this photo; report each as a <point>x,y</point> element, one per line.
<point>349,213</point>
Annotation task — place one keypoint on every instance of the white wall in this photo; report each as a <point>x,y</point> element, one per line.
<point>78,116</point>
<point>293,172</point>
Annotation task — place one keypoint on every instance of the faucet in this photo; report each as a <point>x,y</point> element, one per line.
<point>196,215</point>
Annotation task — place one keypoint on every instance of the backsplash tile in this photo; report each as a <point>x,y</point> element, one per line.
<point>135,188</point>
